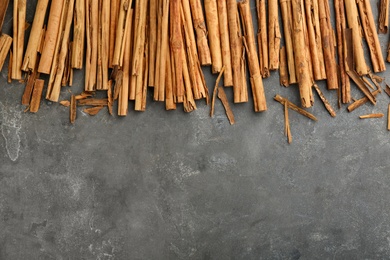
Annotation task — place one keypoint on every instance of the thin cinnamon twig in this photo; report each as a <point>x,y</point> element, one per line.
<point>287,130</point>
<point>294,107</point>
<point>92,111</point>
<point>225,103</point>
<point>325,101</point>
<point>360,102</point>
<point>215,91</point>
<point>73,109</point>
<point>377,115</point>
<point>5,45</point>
<point>361,85</point>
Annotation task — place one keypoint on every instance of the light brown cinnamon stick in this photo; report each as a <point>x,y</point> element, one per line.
<point>262,38</point>
<point>35,36</point>
<point>5,45</point>
<point>152,38</point>
<point>78,34</point>
<point>93,111</point>
<point>32,76</point>
<point>286,10</point>
<point>72,109</point>
<point>19,22</point>
<point>201,32</point>
<point>240,88</point>
<point>328,47</point>
<point>225,42</point>
<point>214,37</point>
<point>300,53</point>
<point>361,85</point>
<point>361,101</point>
<point>383,18</point>
<point>92,23</point>
<point>377,115</point>
<point>371,35</point>
<point>122,23</point>
<point>274,35</point>
<point>283,69</point>
<point>254,68</point>
<point>176,43</point>
<point>287,130</point>
<point>52,32</point>
<point>294,107</point>
<point>36,95</point>
<point>103,45</point>
<point>169,95</point>
<point>215,91</point>
<point>229,113</point>
<point>3,10</point>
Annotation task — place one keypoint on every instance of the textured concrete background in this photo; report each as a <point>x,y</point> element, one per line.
<point>170,185</point>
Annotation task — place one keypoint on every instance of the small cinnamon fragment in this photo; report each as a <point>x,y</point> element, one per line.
<point>73,109</point>
<point>5,45</point>
<point>92,111</point>
<point>361,85</point>
<point>287,129</point>
<point>325,101</point>
<point>294,107</point>
<point>225,103</point>
<point>283,69</point>
<point>377,115</point>
<point>36,95</point>
<point>3,10</point>
<point>65,103</point>
<point>93,102</point>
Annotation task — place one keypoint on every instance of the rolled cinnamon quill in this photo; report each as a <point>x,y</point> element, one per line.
<point>211,10</point>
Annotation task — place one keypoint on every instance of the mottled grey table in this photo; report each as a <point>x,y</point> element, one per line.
<point>170,185</point>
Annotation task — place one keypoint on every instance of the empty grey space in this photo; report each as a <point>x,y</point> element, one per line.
<point>170,185</point>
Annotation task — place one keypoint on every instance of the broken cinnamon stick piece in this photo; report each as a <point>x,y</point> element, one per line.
<point>19,23</point>
<point>287,130</point>
<point>325,101</point>
<point>92,111</point>
<point>78,34</point>
<point>377,115</point>
<point>5,45</point>
<point>225,103</point>
<point>387,90</point>
<point>283,69</point>
<point>36,95</point>
<point>211,11</point>
<point>360,102</point>
<point>93,102</point>
<point>361,85</point>
<point>294,107</point>
<point>3,10</point>
<point>65,103</point>
<point>72,109</point>
<point>215,91</point>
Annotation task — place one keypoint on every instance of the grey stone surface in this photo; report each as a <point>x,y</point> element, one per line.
<point>170,185</point>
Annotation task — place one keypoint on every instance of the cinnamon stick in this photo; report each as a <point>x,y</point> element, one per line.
<point>3,10</point>
<point>315,41</point>
<point>353,23</point>
<point>301,60</point>
<point>345,87</point>
<point>92,23</point>
<point>201,32</point>
<point>262,38</point>
<point>328,47</point>
<point>361,85</point>
<point>114,13</point>
<point>254,68</point>
<point>383,18</point>
<point>93,102</point>
<point>72,109</point>
<point>52,32</point>
<point>294,107</point>
<point>188,98</point>
<point>387,90</point>
<point>286,10</point>
<point>36,95</point>
<point>78,34</point>
<point>211,10</point>
<point>325,101</point>
<point>274,34</point>
<point>225,42</point>
<point>153,5</point>
<point>283,69</point>
<point>93,111</point>
<point>122,24</point>
<point>35,36</point>
<point>240,88</point>
<point>371,35</point>
<point>225,103</point>
<point>19,22</point>
<point>361,101</point>
<point>377,115</point>
<point>103,45</point>
<point>169,95</point>
<point>215,91</point>
<point>287,130</point>
<point>5,45</point>
<point>32,76</point>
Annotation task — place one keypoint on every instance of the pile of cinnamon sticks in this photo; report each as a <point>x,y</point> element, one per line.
<point>128,48</point>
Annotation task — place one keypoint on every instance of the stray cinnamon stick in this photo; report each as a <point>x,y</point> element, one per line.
<point>36,95</point>
<point>19,22</point>
<point>353,23</point>
<point>78,34</point>
<point>52,32</point>
<point>283,70</point>
<point>65,103</point>
<point>378,115</point>
<point>3,10</point>
<point>5,45</point>
<point>302,63</point>
<point>201,32</point>
<point>361,102</point>
<point>240,88</point>
<point>73,109</point>
<point>262,38</point>
<point>274,35</point>
<point>325,101</point>
<point>287,130</point>
<point>92,111</point>
<point>215,91</point>
<point>254,68</point>
<point>383,19</point>
<point>361,85</point>
<point>371,35</point>
<point>225,42</point>
<point>225,103</point>
<point>294,107</point>
<point>211,11</point>
<point>35,36</point>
